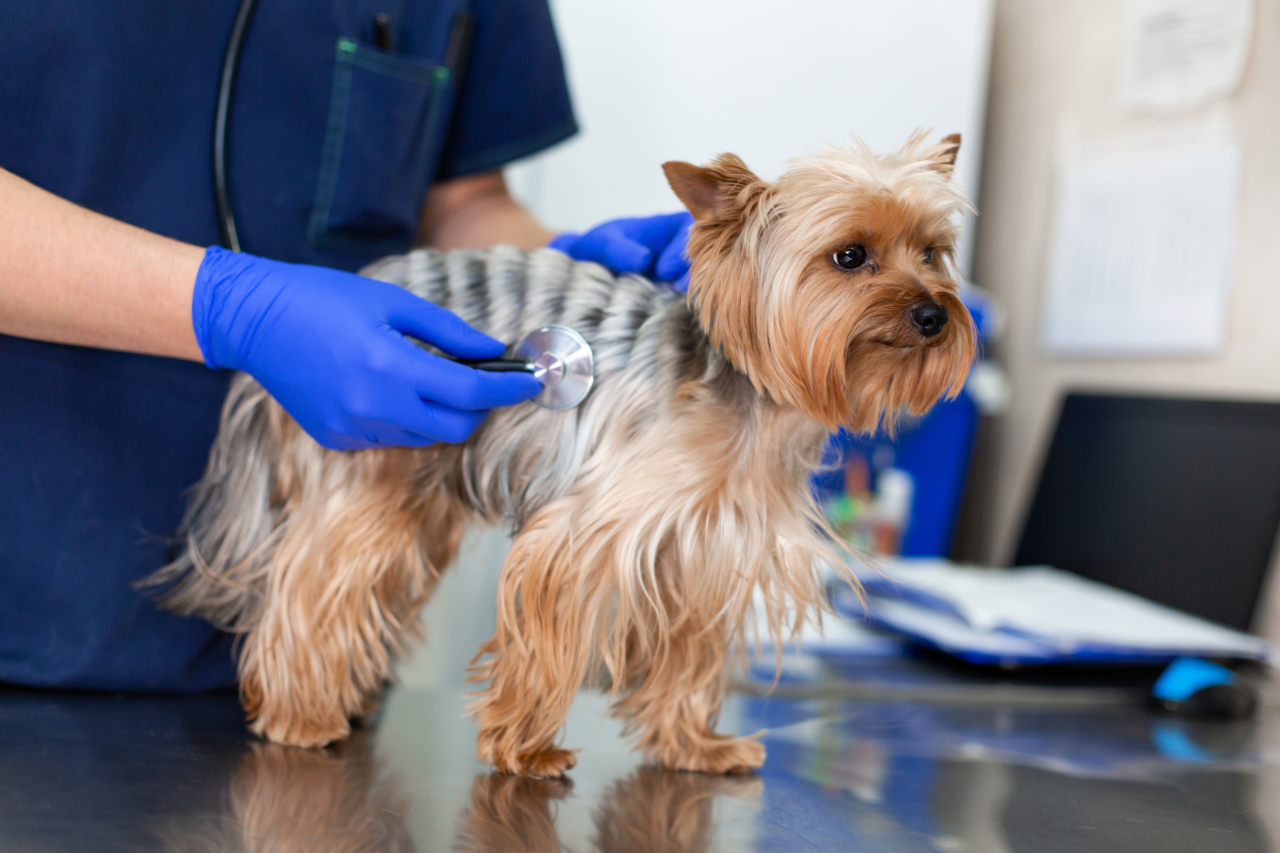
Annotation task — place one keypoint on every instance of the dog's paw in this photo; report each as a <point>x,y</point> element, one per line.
<point>296,732</point>
<point>728,756</point>
<point>543,764</point>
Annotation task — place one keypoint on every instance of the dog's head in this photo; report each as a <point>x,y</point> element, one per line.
<point>831,288</point>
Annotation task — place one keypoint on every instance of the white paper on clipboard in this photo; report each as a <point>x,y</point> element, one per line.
<point>1142,256</point>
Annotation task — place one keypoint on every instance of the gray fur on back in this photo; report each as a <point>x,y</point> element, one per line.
<point>507,293</point>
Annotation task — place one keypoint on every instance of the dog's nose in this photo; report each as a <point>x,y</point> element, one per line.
<point>929,318</point>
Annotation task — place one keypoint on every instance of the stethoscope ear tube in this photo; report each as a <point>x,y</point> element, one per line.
<point>226,86</point>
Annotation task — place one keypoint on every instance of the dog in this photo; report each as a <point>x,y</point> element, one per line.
<point>647,517</point>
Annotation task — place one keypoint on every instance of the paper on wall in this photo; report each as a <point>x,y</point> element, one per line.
<point>1142,255</point>
<point>1184,54</point>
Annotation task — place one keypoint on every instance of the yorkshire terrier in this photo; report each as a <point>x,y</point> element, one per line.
<point>646,517</point>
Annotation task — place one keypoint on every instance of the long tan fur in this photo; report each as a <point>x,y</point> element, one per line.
<point>647,518</point>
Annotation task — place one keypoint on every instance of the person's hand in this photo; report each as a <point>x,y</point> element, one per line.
<point>651,246</point>
<point>331,348</point>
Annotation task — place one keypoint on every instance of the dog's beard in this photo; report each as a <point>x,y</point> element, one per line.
<point>887,378</point>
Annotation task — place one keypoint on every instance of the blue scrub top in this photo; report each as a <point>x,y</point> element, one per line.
<point>332,144</point>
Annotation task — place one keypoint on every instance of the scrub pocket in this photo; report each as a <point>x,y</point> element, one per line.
<point>383,131</point>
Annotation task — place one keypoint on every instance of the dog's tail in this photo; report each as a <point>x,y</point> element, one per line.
<point>222,547</point>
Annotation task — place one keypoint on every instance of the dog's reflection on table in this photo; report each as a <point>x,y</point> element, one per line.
<point>652,809</point>
<point>343,800</point>
<point>288,800</point>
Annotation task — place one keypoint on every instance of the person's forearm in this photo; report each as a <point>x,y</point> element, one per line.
<point>72,276</point>
<point>477,212</point>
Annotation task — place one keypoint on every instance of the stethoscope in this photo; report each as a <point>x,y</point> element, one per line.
<point>557,356</point>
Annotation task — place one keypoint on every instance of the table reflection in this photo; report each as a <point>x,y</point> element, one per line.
<point>181,774</point>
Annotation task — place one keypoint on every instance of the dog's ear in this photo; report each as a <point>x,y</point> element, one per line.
<point>712,191</point>
<point>942,157</point>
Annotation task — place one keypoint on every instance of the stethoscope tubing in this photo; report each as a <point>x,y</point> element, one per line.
<point>226,87</point>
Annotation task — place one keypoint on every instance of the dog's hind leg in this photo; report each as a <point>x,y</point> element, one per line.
<point>354,566</point>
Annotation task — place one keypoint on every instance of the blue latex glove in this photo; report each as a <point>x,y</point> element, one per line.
<point>652,246</point>
<point>331,348</point>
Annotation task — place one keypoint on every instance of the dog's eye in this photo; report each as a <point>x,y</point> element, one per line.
<point>850,257</point>
<point>928,255</point>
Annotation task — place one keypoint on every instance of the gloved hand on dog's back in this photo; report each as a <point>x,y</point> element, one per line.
<point>650,246</point>
<point>330,346</point>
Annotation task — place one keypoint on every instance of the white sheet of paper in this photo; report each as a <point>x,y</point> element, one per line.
<point>1142,255</point>
<point>1063,610</point>
<point>953,633</point>
<point>1184,54</point>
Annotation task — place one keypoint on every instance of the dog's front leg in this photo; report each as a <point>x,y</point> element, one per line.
<point>675,699</point>
<point>537,659</point>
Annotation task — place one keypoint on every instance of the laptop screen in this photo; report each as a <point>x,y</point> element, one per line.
<point>1176,500</point>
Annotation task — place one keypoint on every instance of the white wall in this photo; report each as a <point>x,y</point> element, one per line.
<point>687,79</point>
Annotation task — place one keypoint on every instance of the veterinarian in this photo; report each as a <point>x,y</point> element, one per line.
<point>352,131</point>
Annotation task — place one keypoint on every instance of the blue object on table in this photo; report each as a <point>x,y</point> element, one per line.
<point>1185,676</point>
<point>1202,688</point>
<point>935,450</point>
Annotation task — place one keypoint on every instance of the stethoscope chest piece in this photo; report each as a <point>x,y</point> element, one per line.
<point>562,361</point>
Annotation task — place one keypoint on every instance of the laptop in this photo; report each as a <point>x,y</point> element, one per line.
<point>1176,500</point>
